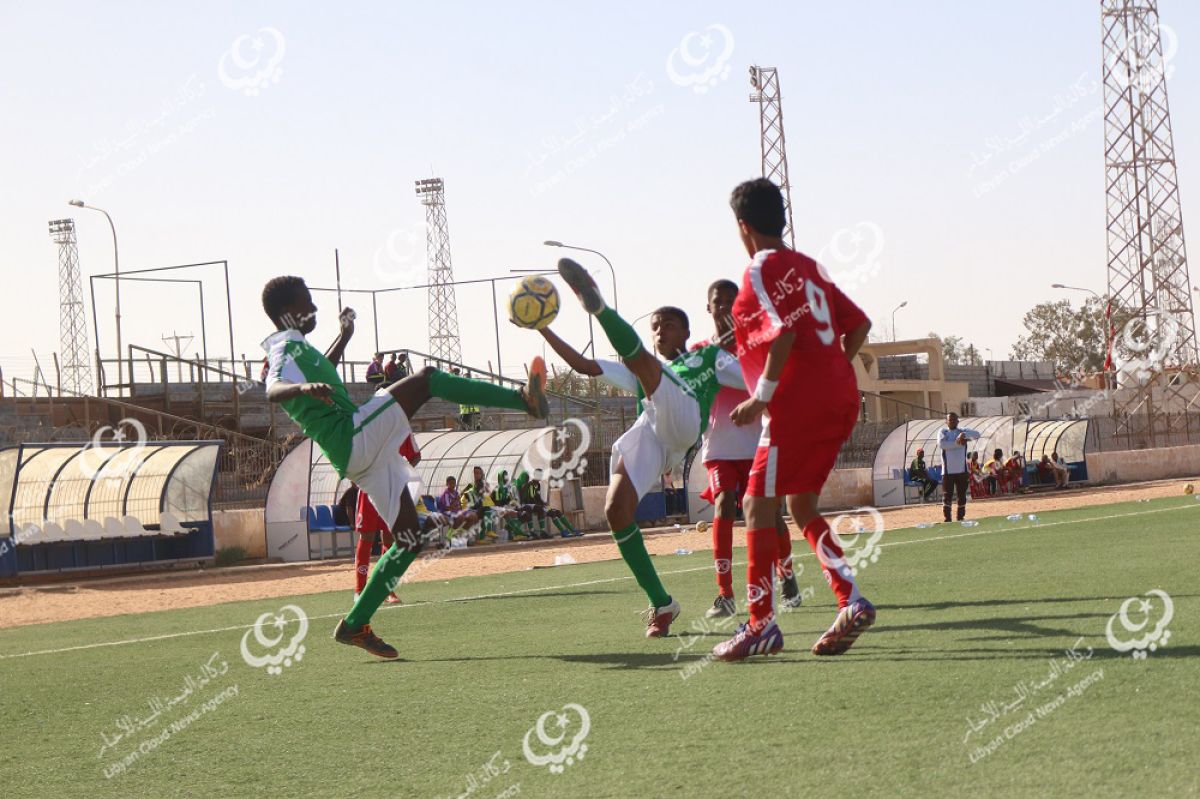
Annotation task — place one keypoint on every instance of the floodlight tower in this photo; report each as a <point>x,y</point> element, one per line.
<point>1147,258</point>
<point>72,322</point>
<point>443,314</point>
<point>765,82</point>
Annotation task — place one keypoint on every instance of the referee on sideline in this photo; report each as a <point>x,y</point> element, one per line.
<point>953,441</point>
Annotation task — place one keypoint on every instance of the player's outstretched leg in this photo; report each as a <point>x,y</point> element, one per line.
<point>855,612</point>
<point>620,509</point>
<point>355,629</point>
<point>620,333</point>
<point>413,391</point>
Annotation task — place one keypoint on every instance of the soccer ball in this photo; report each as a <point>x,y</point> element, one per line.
<point>701,526</point>
<point>1189,489</point>
<point>533,304</point>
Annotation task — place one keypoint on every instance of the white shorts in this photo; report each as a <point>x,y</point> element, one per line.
<point>660,438</point>
<point>376,465</point>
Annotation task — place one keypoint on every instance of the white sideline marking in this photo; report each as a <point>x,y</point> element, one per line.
<point>534,590</point>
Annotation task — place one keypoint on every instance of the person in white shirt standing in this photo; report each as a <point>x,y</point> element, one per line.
<point>953,441</point>
<point>728,454</point>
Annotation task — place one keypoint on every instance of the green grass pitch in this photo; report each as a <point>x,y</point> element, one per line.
<point>929,702</point>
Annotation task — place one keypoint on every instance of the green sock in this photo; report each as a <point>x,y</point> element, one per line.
<point>383,580</point>
<point>633,550</point>
<point>620,333</point>
<point>466,391</point>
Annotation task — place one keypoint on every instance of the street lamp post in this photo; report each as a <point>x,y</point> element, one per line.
<point>898,307</point>
<point>117,282</point>
<point>552,243</point>
<point>1109,333</point>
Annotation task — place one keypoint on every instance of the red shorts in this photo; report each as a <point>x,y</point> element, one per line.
<point>366,518</point>
<point>726,476</point>
<point>798,453</point>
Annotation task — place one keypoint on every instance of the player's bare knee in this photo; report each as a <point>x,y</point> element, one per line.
<point>726,506</point>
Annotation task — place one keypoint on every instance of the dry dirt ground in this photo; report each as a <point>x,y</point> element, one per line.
<point>93,598</point>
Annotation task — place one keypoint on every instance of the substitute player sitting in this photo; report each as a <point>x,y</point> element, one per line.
<point>728,454</point>
<point>674,400</point>
<point>362,442</point>
<point>796,335</point>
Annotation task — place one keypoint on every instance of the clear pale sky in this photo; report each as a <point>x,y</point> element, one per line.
<point>557,121</point>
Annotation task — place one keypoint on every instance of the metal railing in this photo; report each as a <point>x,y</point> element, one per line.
<point>245,466</point>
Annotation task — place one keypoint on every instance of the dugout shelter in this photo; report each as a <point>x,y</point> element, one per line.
<point>1033,438</point>
<point>302,521</point>
<point>70,506</point>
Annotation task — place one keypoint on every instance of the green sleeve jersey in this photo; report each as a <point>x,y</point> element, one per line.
<point>293,359</point>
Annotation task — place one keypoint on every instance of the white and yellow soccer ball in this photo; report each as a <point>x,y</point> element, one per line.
<point>533,304</point>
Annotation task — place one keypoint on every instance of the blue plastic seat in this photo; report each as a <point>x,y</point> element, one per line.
<point>325,516</point>
<point>321,519</point>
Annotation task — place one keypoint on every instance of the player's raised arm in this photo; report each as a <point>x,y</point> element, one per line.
<point>574,359</point>
<point>338,347</point>
<point>761,394</point>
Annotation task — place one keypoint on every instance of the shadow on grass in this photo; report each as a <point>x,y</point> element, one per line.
<point>988,603</point>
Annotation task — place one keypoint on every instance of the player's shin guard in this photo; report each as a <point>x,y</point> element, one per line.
<point>620,333</point>
<point>825,544</point>
<point>362,561</point>
<point>762,549</point>
<point>383,580</point>
<point>722,536</point>
<point>465,391</point>
<point>633,550</point>
<point>784,567</point>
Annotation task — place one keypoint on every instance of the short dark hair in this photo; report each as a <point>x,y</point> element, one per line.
<point>671,310</point>
<point>722,285</point>
<point>281,292</point>
<point>759,203</point>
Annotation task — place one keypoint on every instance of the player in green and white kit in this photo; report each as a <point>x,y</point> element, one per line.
<point>674,400</point>
<point>362,442</point>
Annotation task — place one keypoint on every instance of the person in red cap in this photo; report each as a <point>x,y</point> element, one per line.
<point>919,474</point>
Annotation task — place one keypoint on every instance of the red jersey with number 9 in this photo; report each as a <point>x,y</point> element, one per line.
<point>784,290</point>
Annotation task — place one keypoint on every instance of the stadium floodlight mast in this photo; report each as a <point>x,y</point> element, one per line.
<point>553,243</point>
<point>898,307</point>
<point>117,282</point>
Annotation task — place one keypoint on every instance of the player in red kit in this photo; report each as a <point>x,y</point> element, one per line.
<point>368,524</point>
<point>796,336</point>
<point>728,454</point>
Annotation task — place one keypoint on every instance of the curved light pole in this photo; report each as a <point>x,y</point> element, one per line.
<point>117,280</point>
<point>553,243</point>
<point>898,307</point>
<point>1109,332</point>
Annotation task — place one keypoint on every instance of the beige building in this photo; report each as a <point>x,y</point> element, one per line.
<point>916,388</point>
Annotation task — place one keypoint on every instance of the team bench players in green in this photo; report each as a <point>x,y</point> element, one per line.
<point>362,442</point>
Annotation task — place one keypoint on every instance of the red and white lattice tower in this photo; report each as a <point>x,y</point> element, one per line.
<point>443,313</point>
<point>1147,258</point>
<point>765,82</point>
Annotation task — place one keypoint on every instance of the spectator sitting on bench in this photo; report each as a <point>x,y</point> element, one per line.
<point>1015,470</point>
<point>375,374</point>
<point>1062,475</point>
<point>993,472</point>
<point>918,473</point>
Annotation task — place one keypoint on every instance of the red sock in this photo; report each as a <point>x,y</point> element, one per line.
<point>832,559</point>
<point>362,561</point>
<point>762,546</point>
<point>784,567</point>
<point>722,534</point>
